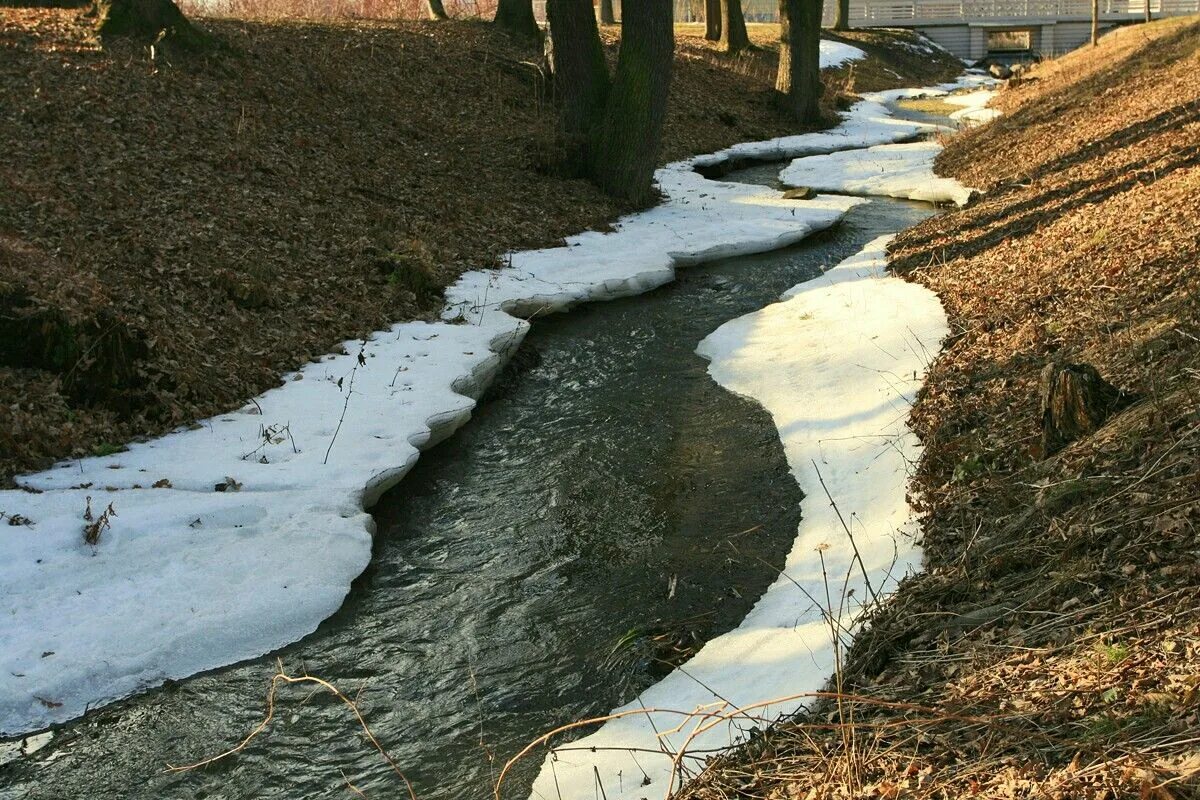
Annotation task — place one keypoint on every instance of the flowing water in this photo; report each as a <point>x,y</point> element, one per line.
<point>607,509</point>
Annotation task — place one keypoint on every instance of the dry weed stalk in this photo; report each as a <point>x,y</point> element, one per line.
<point>281,677</point>
<point>714,714</point>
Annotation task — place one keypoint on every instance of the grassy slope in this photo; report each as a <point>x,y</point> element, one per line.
<point>174,234</point>
<point>1052,649</point>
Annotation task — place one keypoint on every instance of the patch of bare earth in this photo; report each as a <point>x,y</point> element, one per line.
<point>1051,649</point>
<point>178,231</point>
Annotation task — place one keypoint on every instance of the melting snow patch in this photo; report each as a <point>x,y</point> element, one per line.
<point>240,534</point>
<point>974,109</point>
<point>834,54</point>
<point>893,170</point>
<point>837,363</point>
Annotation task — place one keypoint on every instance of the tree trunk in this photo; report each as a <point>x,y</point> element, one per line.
<point>517,16</point>
<point>146,19</point>
<point>436,10</point>
<point>607,15</point>
<point>1095,22</point>
<point>841,17</point>
<point>799,78</point>
<point>733,27</point>
<point>1075,402</point>
<point>712,20</point>
<point>625,151</point>
<point>1149,16</point>
<point>580,73</point>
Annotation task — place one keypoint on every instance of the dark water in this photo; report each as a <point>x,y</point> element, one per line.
<point>522,572</point>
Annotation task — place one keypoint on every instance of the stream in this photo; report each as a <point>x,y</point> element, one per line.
<point>607,509</point>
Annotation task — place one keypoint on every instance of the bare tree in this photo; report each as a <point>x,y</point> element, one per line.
<point>626,149</point>
<point>614,128</point>
<point>580,74</point>
<point>712,20</point>
<point>734,38</point>
<point>799,78</point>
<point>1095,22</point>
<point>435,10</point>
<point>517,16</point>
<point>841,15</point>
<point>607,15</point>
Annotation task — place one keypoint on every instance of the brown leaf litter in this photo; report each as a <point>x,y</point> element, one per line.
<point>1051,648</point>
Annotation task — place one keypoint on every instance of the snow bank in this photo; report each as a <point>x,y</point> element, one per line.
<point>837,363</point>
<point>893,170</point>
<point>974,109</point>
<point>242,533</point>
<point>969,80</point>
<point>867,123</point>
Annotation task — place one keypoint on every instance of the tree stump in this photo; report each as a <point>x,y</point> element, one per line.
<point>1075,402</point>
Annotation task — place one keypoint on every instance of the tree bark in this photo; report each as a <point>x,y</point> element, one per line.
<point>625,151</point>
<point>436,10</point>
<point>1095,22</point>
<point>1075,402</point>
<point>1149,16</point>
<point>799,79</point>
<point>712,20</point>
<point>517,16</point>
<point>146,19</point>
<point>580,73</point>
<point>734,38</point>
<point>607,16</point>
<point>841,17</point>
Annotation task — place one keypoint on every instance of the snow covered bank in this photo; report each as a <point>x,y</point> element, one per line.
<point>837,363</point>
<point>973,79</point>
<point>892,170</point>
<point>897,170</point>
<point>243,532</point>
<point>867,123</point>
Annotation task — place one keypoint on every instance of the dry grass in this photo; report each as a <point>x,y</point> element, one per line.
<point>1060,609</point>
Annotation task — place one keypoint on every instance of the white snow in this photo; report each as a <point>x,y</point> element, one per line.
<point>974,109</point>
<point>898,170</point>
<point>965,81</point>
<point>188,578</point>
<point>834,54</point>
<point>893,170</point>
<point>837,363</point>
<point>976,99</point>
<point>867,123</point>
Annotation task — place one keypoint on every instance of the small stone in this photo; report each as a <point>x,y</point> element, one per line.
<point>799,193</point>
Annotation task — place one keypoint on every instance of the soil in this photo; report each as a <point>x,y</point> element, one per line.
<point>1052,646</point>
<point>179,229</point>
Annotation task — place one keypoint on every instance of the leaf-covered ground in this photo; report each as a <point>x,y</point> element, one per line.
<point>178,231</point>
<point>1052,647</point>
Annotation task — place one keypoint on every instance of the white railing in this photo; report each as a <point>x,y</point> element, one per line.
<point>901,12</point>
<point>879,12</point>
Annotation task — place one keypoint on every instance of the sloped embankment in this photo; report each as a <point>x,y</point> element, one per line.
<point>1052,647</point>
<point>175,233</point>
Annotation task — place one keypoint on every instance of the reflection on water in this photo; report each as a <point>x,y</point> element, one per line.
<point>608,508</point>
